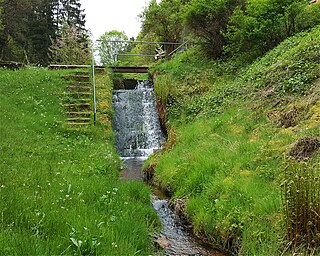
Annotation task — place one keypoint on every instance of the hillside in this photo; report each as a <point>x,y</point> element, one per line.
<point>242,156</point>
<point>59,187</point>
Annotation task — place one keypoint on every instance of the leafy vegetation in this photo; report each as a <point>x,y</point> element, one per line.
<point>232,141</point>
<point>70,47</point>
<point>225,28</point>
<point>261,25</point>
<point>59,187</point>
<point>108,51</point>
<point>291,67</point>
<point>30,26</point>
<point>208,19</point>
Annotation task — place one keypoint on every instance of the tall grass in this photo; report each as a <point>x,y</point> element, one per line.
<point>59,187</point>
<point>229,155</point>
<point>301,199</point>
<point>220,165</point>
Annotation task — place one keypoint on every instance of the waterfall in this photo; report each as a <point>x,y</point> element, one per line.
<point>137,134</point>
<point>136,122</point>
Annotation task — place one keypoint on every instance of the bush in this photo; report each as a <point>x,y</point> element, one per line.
<point>208,20</point>
<point>263,24</point>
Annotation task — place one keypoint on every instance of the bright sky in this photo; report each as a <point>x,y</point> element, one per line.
<point>106,15</point>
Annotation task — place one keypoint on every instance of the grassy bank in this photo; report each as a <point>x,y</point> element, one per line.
<point>59,187</point>
<point>236,147</point>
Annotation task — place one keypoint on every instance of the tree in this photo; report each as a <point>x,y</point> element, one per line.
<point>263,24</point>
<point>13,39</point>
<point>69,48</point>
<point>164,21</point>
<point>69,12</point>
<point>30,26</point>
<point>41,31</point>
<point>108,50</point>
<point>1,11</point>
<point>208,20</point>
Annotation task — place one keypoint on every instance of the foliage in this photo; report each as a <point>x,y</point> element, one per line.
<point>70,12</point>
<point>41,29</point>
<point>164,20</point>
<point>247,28</point>
<point>13,36</point>
<point>263,24</point>
<point>69,47</point>
<point>208,19</point>
<point>228,158</point>
<point>227,178</point>
<point>146,49</point>
<point>29,26</point>
<point>108,51</point>
<point>1,14</point>
<point>289,68</point>
<point>59,187</point>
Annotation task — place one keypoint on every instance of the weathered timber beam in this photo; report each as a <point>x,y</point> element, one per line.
<point>129,69</point>
<point>71,66</point>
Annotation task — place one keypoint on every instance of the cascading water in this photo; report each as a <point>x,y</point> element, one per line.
<point>138,134</point>
<point>136,123</point>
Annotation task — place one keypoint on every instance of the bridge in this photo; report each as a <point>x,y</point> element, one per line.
<point>115,69</point>
<point>127,69</point>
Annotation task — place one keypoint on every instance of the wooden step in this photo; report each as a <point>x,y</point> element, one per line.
<point>78,106</point>
<point>76,83</point>
<point>81,73</point>
<point>73,123</point>
<point>79,93</point>
<point>78,119</point>
<point>78,101</point>
<point>77,78</point>
<point>78,87</point>
<point>99,70</point>
<point>74,113</point>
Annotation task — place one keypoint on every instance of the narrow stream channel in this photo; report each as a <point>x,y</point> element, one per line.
<point>138,134</point>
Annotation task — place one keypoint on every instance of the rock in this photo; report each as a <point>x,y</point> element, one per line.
<point>180,208</point>
<point>163,242</point>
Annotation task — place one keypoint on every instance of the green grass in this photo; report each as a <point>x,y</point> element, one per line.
<point>59,187</point>
<point>229,179</point>
<point>229,153</point>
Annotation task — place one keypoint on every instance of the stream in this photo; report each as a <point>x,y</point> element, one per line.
<point>137,135</point>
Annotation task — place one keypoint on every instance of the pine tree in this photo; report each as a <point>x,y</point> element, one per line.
<point>13,38</point>
<point>41,30</point>
<point>1,11</point>
<point>69,15</point>
<point>69,12</point>
<point>30,27</point>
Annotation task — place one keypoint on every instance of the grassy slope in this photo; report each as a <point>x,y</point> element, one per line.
<point>59,188</point>
<point>230,148</point>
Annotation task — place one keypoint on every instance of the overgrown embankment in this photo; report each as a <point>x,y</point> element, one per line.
<point>243,147</point>
<point>59,187</point>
